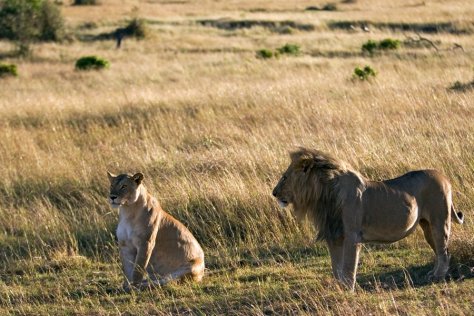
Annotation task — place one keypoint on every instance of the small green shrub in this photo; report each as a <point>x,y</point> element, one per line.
<point>389,43</point>
<point>8,70</point>
<point>370,46</point>
<point>85,2</point>
<point>91,63</point>
<point>289,49</point>
<point>265,53</point>
<point>364,73</point>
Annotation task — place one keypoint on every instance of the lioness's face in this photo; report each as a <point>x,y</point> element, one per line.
<point>282,190</point>
<point>124,189</point>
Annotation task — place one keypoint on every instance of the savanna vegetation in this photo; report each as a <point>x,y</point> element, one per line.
<point>210,124</point>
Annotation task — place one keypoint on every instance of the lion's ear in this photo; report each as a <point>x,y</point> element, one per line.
<point>305,164</point>
<point>111,176</point>
<point>138,178</point>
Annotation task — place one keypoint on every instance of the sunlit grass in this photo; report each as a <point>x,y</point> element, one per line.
<point>210,126</point>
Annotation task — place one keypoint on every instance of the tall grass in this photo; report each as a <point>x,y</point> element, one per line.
<point>210,126</point>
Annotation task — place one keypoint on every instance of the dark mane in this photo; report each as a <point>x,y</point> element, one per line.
<point>318,193</point>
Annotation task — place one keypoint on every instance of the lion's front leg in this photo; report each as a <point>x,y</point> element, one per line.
<point>336,252</point>
<point>351,249</point>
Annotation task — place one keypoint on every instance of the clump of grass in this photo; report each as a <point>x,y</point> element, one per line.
<point>462,250</point>
<point>289,49</point>
<point>91,63</point>
<point>364,73</point>
<point>461,86</point>
<point>8,70</point>
<point>372,46</point>
<point>265,54</point>
<point>389,43</point>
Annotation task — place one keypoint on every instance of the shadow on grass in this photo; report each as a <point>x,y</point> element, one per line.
<point>414,276</point>
<point>429,28</point>
<point>273,26</point>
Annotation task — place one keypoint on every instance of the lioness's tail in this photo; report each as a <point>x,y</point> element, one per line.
<point>458,216</point>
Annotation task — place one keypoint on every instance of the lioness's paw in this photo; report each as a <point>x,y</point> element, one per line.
<point>145,285</point>
<point>126,287</point>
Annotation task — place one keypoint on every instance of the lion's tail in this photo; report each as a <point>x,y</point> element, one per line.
<point>458,216</point>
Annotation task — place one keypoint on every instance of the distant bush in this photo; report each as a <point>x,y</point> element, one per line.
<point>7,70</point>
<point>27,21</point>
<point>50,23</point>
<point>85,2</point>
<point>389,43</point>
<point>91,63</point>
<point>136,28</point>
<point>370,46</point>
<point>386,44</point>
<point>264,53</point>
<point>461,86</point>
<point>289,49</point>
<point>364,73</point>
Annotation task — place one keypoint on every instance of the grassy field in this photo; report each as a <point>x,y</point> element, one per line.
<point>210,126</point>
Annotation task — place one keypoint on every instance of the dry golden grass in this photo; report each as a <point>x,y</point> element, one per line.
<point>210,125</point>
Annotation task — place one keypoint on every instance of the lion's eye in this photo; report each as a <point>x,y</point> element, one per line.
<point>123,187</point>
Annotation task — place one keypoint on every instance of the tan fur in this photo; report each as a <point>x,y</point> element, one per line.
<point>155,248</point>
<point>348,209</point>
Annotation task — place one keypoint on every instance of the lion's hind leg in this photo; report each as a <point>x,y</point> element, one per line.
<point>437,235</point>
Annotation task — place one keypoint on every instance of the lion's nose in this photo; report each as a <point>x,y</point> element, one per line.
<point>113,197</point>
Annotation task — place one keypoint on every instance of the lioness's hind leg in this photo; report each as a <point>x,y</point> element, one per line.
<point>194,272</point>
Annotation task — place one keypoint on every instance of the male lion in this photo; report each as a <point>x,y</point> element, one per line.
<point>151,241</point>
<point>348,209</point>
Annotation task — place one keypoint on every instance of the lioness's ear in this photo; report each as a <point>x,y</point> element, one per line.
<point>138,177</point>
<point>111,176</point>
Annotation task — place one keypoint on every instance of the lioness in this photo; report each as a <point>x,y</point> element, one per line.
<point>348,209</point>
<point>151,241</point>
